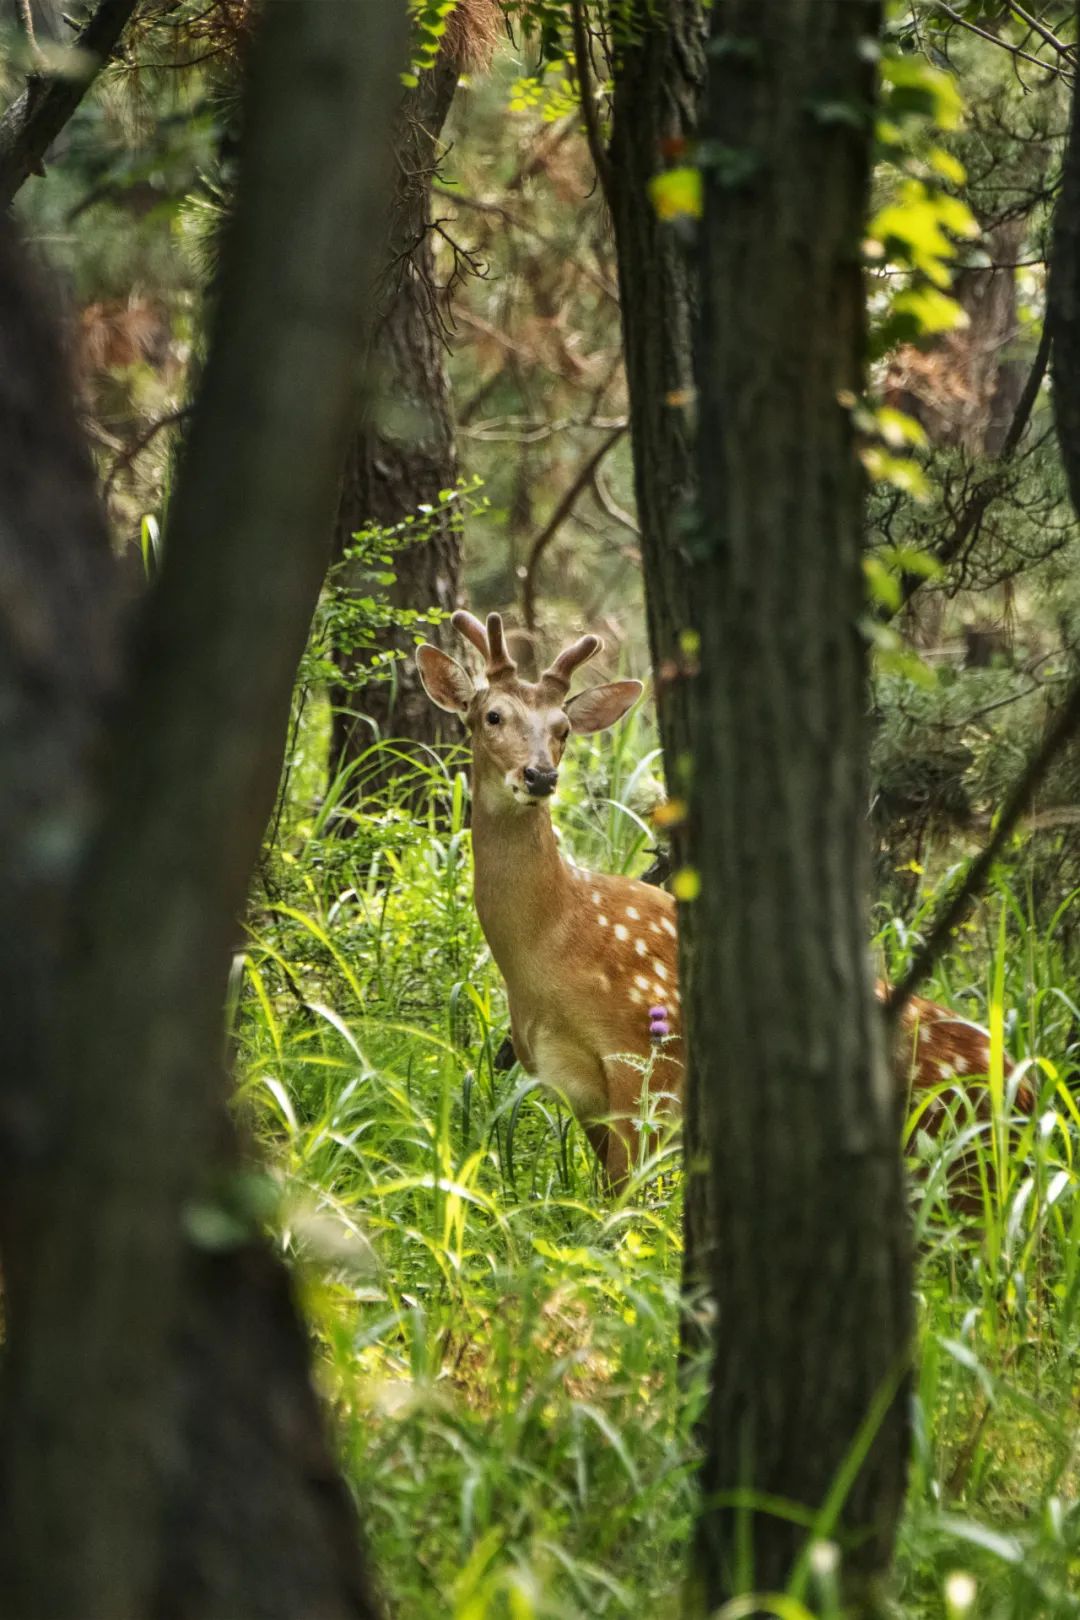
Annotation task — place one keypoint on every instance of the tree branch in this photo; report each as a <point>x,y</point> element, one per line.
<point>1063,320</point>
<point>127,455</point>
<point>951,545</point>
<point>588,102</point>
<point>956,906</point>
<point>556,521</point>
<point>995,39</point>
<point>34,120</point>
<point>1041,29</point>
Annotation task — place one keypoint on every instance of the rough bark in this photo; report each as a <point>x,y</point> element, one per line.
<point>403,455</point>
<point>1063,308</point>
<point>658,74</point>
<point>162,1450</point>
<point>787,1084</point>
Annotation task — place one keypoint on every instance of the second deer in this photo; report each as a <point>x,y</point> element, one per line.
<point>591,961</point>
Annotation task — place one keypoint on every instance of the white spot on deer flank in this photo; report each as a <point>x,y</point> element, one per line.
<point>640,946</point>
<point>595,897</point>
<point>660,970</point>
<point>961,1065</point>
<point>669,927</point>
<point>946,1071</point>
<point>637,997</point>
<point>924,1032</point>
<point>621,931</point>
<point>602,921</point>
<point>641,981</point>
<point>633,913</point>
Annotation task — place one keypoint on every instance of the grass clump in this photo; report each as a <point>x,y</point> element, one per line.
<point>498,1337</point>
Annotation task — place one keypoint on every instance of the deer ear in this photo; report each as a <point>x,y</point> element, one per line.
<point>601,706</point>
<point>447,685</point>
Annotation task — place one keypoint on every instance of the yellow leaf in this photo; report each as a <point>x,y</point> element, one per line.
<point>686,884</point>
<point>669,814</point>
<point>677,194</point>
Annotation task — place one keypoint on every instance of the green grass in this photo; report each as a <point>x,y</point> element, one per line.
<point>497,1337</point>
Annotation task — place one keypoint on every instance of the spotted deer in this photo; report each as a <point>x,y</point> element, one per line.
<point>591,961</point>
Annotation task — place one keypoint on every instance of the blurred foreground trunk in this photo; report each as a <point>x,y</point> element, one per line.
<point>162,1450</point>
<point>788,1101</point>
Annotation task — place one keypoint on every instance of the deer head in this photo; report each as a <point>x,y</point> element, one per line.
<point>518,728</point>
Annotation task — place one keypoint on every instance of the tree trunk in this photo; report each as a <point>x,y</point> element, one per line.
<point>1063,307</point>
<point>658,77</point>
<point>403,455</point>
<point>658,74</point>
<point>787,1081</point>
<point>162,1449</point>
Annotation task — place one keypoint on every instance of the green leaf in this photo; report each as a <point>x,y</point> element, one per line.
<point>930,309</point>
<point>899,471</point>
<point>916,89</point>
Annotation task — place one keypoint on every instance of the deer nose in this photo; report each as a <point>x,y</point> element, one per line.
<point>539,782</point>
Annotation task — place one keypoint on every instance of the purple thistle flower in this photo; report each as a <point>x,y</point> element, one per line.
<point>659,1028</point>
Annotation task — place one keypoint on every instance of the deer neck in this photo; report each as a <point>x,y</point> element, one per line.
<point>520,881</point>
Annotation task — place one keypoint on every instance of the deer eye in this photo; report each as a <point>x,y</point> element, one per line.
<point>493,717</point>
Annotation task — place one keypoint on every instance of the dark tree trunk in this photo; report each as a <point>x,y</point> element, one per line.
<point>659,71</point>
<point>658,77</point>
<point>162,1451</point>
<point>788,1093</point>
<point>1063,307</point>
<point>403,455</point>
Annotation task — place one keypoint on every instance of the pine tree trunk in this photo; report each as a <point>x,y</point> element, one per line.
<point>788,1095</point>
<point>402,456</point>
<point>162,1451</point>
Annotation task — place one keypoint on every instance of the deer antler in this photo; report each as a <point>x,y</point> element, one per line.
<point>560,673</point>
<point>489,643</point>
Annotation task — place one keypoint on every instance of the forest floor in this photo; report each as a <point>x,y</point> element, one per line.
<point>498,1336</point>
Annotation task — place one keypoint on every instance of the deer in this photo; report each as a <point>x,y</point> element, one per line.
<point>590,960</point>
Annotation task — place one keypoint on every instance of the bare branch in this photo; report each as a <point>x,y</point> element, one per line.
<point>557,519</point>
<point>34,120</point>
<point>952,544</point>
<point>957,905</point>
<point>1041,29</point>
<point>995,39</point>
<point>583,73</point>
<point>127,455</point>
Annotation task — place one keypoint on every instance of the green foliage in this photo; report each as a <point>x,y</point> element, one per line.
<point>498,1337</point>
<point>354,609</point>
<point>429,19</point>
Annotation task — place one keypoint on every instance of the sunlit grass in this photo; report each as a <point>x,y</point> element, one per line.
<point>498,1336</point>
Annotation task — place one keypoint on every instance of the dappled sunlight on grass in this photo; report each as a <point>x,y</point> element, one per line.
<point>498,1335</point>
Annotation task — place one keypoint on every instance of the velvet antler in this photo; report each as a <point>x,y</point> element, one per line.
<point>560,673</point>
<point>489,643</point>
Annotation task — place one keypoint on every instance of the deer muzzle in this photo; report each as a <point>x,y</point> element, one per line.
<point>539,782</point>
